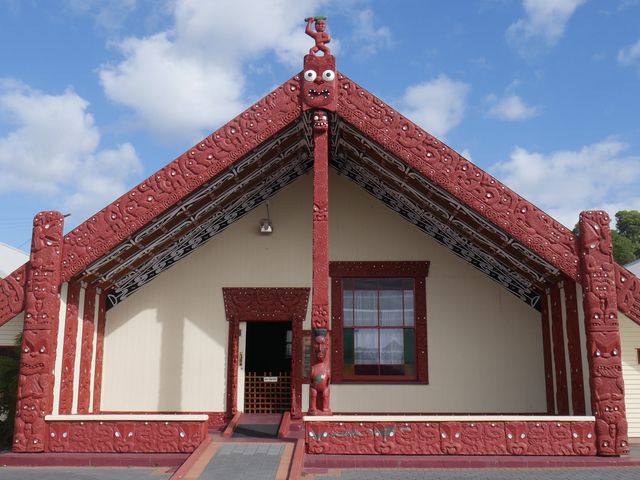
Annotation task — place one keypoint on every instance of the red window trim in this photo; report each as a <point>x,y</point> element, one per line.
<point>402,269</point>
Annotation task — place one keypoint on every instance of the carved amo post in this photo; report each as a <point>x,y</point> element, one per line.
<point>603,335</point>
<point>42,305</point>
<point>318,89</point>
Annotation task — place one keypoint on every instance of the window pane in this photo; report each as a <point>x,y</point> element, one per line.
<point>409,315</point>
<point>391,283</point>
<point>366,346</point>
<point>391,308</point>
<point>347,308</point>
<point>366,308</point>
<point>392,370</point>
<point>348,345</point>
<point>409,346</point>
<point>391,346</point>
<point>365,284</point>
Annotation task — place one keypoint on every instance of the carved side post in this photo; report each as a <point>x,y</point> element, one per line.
<point>42,305</point>
<point>319,394</point>
<point>603,335</point>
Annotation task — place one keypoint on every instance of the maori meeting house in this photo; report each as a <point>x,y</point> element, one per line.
<point>323,257</point>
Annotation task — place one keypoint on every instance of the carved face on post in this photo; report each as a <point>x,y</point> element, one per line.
<point>320,121</point>
<point>319,82</point>
<point>320,347</point>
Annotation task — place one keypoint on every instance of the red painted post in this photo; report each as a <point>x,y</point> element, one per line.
<point>86,350</point>
<point>548,361</point>
<point>319,393</point>
<point>603,334</point>
<point>69,348</point>
<point>42,308</point>
<point>574,347</point>
<point>557,332</point>
<point>318,87</point>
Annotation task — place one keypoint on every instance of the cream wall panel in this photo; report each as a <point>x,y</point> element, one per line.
<point>10,330</point>
<point>165,346</point>
<point>630,338</point>
<point>484,345</point>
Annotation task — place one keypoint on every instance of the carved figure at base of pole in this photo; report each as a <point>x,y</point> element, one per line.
<point>320,376</point>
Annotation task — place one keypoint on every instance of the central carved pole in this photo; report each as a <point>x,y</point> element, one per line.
<point>320,369</point>
<point>318,93</point>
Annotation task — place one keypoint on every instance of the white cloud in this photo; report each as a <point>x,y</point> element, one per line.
<point>369,38</point>
<point>54,149</point>
<point>187,80</point>
<point>565,182</point>
<point>466,153</point>
<point>630,55</point>
<point>545,20</point>
<point>437,105</point>
<point>511,107</point>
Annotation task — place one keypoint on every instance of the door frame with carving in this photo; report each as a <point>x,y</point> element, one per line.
<point>268,305</point>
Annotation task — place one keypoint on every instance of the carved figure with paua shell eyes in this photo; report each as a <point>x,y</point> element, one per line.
<point>319,82</point>
<point>319,75</point>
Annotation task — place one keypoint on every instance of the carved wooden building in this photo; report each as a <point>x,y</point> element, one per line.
<point>405,301</point>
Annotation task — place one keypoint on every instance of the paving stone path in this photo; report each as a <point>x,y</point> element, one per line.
<point>244,461</point>
<point>627,473</point>
<point>82,473</point>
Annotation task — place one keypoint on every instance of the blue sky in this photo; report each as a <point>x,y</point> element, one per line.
<point>97,95</point>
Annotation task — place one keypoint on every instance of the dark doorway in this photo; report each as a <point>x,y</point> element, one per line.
<point>268,367</point>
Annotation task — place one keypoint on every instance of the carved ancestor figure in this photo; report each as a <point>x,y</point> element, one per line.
<point>320,36</point>
<point>320,377</point>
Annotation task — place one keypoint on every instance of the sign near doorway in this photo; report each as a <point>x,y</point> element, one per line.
<point>270,379</point>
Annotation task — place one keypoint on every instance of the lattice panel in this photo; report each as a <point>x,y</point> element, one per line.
<point>262,396</point>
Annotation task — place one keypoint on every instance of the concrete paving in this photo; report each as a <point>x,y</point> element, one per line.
<point>629,473</point>
<point>83,473</point>
<point>245,461</point>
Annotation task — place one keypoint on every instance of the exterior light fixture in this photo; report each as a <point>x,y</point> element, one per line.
<point>265,224</point>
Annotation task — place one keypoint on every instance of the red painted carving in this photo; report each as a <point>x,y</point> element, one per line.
<point>232,367</point>
<point>557,332</point>
<point>603,337</point>
<point>265,304</point>
<point>446,168</point>
<point>86,353</point>
<point>628,293</point>
<point>165,188</point>
<point>319,391</point>
<point>69,348</point>
<point>42,305</point>
<point>12,294</point>
<point>97,384</point>
<point>318,84</point>
<point>320,36</point>
<point>546,348</point>
<point>119,437</point>
<point>574,347</point>
<point>451,438</point>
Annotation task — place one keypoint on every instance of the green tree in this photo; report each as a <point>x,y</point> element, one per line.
<point>628,225</point>
<point>623,248</point>
<point>9,371</point>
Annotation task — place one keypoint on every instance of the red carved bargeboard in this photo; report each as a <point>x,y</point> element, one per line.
<point>451,438</point>
<point>125,436</point>
<point>473,186</point>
